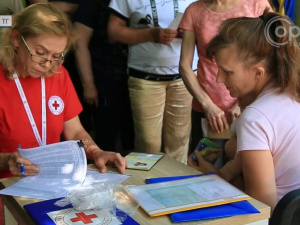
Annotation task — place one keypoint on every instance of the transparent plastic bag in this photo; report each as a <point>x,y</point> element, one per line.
<point>102,196</point>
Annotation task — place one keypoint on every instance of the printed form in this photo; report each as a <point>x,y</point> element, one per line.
<point>62,168</point>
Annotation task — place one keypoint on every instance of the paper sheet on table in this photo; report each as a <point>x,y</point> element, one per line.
<point>62,168</point>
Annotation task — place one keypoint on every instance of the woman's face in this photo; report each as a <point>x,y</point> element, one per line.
<point>49,46</point>
<point>238,79</point>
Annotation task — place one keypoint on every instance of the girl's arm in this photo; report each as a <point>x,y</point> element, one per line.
<point>259,176</point>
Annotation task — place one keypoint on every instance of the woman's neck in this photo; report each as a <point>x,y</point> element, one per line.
<point>19,72</point>
<point>257,91</point>
<point>221,5</point>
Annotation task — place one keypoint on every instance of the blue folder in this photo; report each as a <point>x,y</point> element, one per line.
<point>38,212</point>
<point>227,210</point>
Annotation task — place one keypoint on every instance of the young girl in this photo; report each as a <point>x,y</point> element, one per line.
<point>261,65</point>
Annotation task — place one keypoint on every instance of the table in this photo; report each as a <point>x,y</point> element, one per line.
<point>164,167</point>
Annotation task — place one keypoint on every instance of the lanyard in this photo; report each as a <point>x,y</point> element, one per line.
<point>154,11</point>
<point>28,111</point>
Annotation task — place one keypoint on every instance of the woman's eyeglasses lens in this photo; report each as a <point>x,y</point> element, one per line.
<point>41,60</point>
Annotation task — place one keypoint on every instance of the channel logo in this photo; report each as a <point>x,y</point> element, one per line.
<point>289,31</point>
<point>5,21</point>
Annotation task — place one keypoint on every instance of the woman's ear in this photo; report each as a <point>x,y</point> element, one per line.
<point>259,71</point>
<point>15,36</point>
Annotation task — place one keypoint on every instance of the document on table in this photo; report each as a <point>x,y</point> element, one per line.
<point>62,168</point>
<point>182,195</point>
<point>142,161</point>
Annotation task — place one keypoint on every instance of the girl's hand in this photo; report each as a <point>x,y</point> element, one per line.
<point>201,165</point>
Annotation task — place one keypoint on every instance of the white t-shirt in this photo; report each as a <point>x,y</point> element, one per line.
<point>153,57</point>
<point>272,122</point>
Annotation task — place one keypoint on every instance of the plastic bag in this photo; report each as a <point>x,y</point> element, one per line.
<point>102,196</point>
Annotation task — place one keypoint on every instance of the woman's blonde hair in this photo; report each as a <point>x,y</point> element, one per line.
<point>35,20</point>
<point>258,40</point>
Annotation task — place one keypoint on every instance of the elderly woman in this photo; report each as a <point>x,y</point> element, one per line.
<point>37,100</point>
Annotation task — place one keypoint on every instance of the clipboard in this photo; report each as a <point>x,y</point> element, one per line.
<point>185,194</point>
<point>220,211</point>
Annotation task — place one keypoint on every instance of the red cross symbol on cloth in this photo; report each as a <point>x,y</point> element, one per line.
<point>55,105</point>
<point>84,218</point>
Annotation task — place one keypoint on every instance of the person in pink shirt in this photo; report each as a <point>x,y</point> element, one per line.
<point>211,100</point>
<point>261,66</point>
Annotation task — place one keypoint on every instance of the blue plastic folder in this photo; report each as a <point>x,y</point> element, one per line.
<point>227,210</point>
<point>38,212</point>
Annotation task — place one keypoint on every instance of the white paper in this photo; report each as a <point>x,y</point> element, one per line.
<point>62,168</point>
<point>180,195</point>
<point>175,23</point>
<point>94,176</point>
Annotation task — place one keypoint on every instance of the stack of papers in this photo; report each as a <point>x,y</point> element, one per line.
<point>62,168</point>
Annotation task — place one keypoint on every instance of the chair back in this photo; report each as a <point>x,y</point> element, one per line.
<point>287,210</point>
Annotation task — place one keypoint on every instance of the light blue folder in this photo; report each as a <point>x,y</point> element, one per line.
<point>231,209</point>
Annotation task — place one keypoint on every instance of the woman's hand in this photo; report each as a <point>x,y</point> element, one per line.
<point>234,112</point>
<point>101,158</point>
<point>14,163</point>
<point>164,36</point>
<point>90,94</point>
<point>216,118</point>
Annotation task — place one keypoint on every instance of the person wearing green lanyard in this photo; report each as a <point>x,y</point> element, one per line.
<point>160,102</point>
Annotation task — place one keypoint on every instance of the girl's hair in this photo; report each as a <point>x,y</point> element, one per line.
<point>266,39</point>
<point>35,20</point>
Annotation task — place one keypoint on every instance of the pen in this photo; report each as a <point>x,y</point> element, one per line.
<point>22,170</point>
<point>21,166</point>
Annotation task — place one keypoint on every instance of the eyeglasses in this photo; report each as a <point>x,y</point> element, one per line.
<point>42,60</point>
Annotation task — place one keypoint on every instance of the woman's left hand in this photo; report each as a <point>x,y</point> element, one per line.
<point>101,158</point>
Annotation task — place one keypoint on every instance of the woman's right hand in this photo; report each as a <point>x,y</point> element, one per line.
<point>201,164</point>
<point>14,163</point>
<point>90,94</point>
